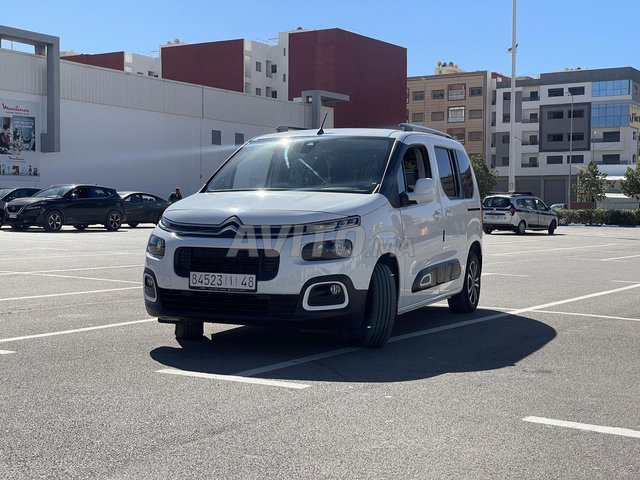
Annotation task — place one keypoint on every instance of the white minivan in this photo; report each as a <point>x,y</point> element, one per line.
<point>322,228</point>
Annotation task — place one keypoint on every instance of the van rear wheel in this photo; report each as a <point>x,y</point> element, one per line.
<point>467,300</point>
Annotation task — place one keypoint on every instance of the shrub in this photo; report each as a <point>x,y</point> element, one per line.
<point>599,216</point>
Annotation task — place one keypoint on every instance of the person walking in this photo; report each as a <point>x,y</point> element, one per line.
<point>175,196</point>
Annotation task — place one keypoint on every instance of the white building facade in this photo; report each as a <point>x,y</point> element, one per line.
<point>563,121</point>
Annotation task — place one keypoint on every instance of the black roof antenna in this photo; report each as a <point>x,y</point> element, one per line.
<point>321,131</point>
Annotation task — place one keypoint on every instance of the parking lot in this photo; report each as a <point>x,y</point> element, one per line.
<point>542,381</point>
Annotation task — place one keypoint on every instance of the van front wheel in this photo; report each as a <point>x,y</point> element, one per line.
<point>374,329</point>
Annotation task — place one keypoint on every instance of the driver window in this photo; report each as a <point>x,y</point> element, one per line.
<point>415,165</point>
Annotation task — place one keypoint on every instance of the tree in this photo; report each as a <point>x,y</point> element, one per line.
<point>486,178</point>
<point>591,184</point>
<point>630,186</point>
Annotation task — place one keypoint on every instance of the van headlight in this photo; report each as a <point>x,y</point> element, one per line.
<point>155,246</point>
<point>327,250</point>
<point>332,225</point>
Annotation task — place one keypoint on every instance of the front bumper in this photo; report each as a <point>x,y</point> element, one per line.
<point>239,308</point>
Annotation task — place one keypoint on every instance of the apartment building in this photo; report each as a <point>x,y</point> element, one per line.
<point>563,121</point>
<point>455,102</point>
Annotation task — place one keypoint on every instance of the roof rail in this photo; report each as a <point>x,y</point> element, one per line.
<point>286,128</point>
<point>409,127</point>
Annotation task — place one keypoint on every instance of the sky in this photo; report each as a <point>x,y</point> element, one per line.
<point>552,35</point>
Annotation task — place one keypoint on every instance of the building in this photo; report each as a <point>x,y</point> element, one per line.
<point>563,121</point>
<point>122,61</point>
<point>370,72</point>
<point>455,102</point>
<point>69,122</point>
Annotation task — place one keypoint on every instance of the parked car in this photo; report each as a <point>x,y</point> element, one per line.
<point>517,212</point>
<point>141,207</point>
<point>77,205</point>
<point>345,227</point>
<point>11,193</point>
<point>558,206</point>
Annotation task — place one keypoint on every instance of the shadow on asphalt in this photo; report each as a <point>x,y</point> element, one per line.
<point>496,343</point>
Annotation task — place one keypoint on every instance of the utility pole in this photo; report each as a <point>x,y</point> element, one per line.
<point>512,105</point>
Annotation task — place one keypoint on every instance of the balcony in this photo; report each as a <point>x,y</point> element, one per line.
<point>530,120</point>
<point>531,99</point>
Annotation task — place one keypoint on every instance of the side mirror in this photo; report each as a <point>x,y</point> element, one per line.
<point>424,191</point>
<point>74,195</point>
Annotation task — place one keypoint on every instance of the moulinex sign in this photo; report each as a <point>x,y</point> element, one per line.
<point>19,135</point>
<point>15,109</point>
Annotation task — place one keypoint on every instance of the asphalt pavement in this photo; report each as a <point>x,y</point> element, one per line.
<point>541,382</point>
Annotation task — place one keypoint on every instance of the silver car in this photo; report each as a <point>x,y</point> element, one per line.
<point>517,212</point>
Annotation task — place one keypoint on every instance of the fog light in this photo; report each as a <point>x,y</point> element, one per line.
<point>150,288</point>
<point>325,296</point>
<point>335,289</point>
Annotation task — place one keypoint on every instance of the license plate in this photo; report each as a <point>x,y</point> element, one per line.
<point>13,215</point>
<point>229,282</point>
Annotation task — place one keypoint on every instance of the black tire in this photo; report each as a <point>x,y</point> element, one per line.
<point>552,227</point>
<point>467,300</point>
<point>522,227</point>
<point>53,221</point>
<point>374,329</point>
<point>488,231</point>
<point>114,220</point>
<point>80,228</point>
<point>189,330</point>
<point>133,224</point>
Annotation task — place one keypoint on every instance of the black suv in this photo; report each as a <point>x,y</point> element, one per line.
<point>8,194</point>
<point>77,205</point>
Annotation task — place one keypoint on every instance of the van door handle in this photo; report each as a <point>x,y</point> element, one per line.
<point>437,215</point>
<point>448,212</point>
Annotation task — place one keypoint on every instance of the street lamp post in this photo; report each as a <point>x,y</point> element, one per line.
<point>570,150</point>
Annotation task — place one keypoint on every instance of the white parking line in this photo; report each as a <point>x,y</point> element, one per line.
<point>503,275</point>
<point>76,330</point>
<point>7,272</point>
<point>235,378</point>
<point>608,317</point>
<point>618,258</point>
<point>551,250</point>
<point>625,432</point>
<point>6,352</point>
<point>77,255</point>
<point>31,297</point>
<point>84,278</point>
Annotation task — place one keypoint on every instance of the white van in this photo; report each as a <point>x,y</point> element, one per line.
<point>336,227</point>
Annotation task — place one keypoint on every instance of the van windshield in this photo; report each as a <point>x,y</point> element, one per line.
<point>318,163</point>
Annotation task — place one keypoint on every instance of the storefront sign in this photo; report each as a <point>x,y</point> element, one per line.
<point>18,138</point>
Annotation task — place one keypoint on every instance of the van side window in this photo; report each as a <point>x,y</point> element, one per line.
<point>448,178</point>
<point>466,175</point>
<point>416,165</point>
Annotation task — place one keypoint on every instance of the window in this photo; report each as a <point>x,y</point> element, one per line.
<point>239,138</point>
<point>437,116</point>
<point>530,162</point>
<point>613,114</point>
<point>555,137</point>
<point>475,91</point>
<point>504,162</point>
<point>575,113</point>
<point>475,136</point>
<point>475,114</point>
<point>258,66</point>
<point>445,167</point>
<point>534,95</point>
<point>505,139</point>
<point>437,94</point>
<point>576,90</point>
<point>419,95</point>
<point>274,68</point>
<point>216,137</point>
<point>506,117</point>
<point>611,159</point>
<point>556,92</point>
<point>533,139</point>
<point>576,158</point>
<point>258,91</point>
<point>274,94</point>
<point>284,77</point>
<point>555,114</point>
<point>610,136</point>
<point>417,117</point>
<point>456,114</point>
<point>506,96</point>
<point>611,88</point>
<point>466,177</point>
<point>554,159</point>
<point>577,136</point>
<point>457,92</point>
<point>415,165</point>
<point>457,134</point>
<point>284,52</point>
